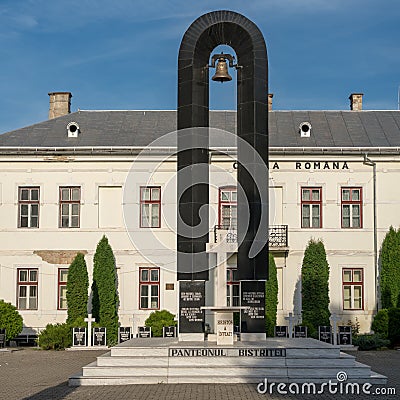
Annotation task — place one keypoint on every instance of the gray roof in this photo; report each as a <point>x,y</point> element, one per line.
<point>347,129</point>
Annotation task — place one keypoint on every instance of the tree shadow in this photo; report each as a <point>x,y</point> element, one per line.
<point>61,391</point>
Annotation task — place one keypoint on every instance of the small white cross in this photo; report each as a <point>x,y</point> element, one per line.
<point>291,319</point>
<point>89,320</point>
<point>334,320</point>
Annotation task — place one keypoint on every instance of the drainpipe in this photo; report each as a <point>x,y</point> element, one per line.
<point>372,164</point>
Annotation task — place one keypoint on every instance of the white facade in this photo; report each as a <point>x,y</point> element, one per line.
<point>103,210</point>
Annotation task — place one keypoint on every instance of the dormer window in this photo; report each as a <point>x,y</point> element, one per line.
<point>305,129</point>
<point>73,130</point>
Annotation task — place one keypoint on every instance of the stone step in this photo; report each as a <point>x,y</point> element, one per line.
<point>79,380</point>
<point>359,370</point>
<point>105,361</point>
<point>170,361</point>
<point>323,352</point>
<point>139,351</point>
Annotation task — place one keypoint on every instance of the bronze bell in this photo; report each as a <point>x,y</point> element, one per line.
<point>221,71</point>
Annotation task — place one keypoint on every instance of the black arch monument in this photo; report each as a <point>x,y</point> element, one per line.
<point>203,35</point>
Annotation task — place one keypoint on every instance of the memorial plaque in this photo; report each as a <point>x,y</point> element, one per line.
<point>224,328</point>
<point>99,337</point>
<point>191,299</point>
<point>124,333</point>
<point>281,331</point>
<point>169,331</point>
<point>253,296</point>
<point>144,332</point>
<point>2,337</point>
<point>344,335</point>
<point>300,331</point>
<point>79,337</point>
<point>325,334</point>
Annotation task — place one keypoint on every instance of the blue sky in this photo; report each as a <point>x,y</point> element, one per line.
<point>123,54</point>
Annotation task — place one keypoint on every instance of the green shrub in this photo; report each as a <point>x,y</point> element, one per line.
<point>158,319</point>
<point>55,337</point>
<point>390,269</point>
<point>394,326</point>
<point>271,297</point>
<point>77,289</point>
<point>104,290</point>
<point>370,342</point>
<point>315,287</point>
<point>380,323</point>
<point>10,320</point>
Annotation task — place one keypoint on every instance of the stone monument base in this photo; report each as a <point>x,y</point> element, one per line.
<point>167,360</point>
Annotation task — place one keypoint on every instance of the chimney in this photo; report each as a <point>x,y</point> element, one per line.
<point>356,101</point>
<point>60,104</point>
<point>270,96</point>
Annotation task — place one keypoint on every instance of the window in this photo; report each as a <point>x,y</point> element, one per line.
<point>62,288</point>
<point>353,289</point>
<point>27,289</point>
<point>228,208</point>
<point>70,203</point>
<point>232,288</point>
<point>149,288</point>
<point>28,207</point>
<point>150,207</point>
<point>311,207</point>
<point>351,208</point>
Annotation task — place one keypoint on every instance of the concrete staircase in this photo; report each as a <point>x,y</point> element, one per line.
<point>151,361</point>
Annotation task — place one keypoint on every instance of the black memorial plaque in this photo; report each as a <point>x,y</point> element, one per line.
<point>325,334</point>
<point>253,296</point>
<point>144,332</point>
<point>79,337</point>
<point>169,331</point>
<point>281,331</point>
<point>124,333</point>
<point>300,331</point>
<point>2,337</point>
<point>99,336</point>
<point>191,299</point>
<point>344,335</point>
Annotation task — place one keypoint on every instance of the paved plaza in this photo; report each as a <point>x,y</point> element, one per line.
<point>36,374</point>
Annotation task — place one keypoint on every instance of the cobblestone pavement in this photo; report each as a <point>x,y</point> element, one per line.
<point>35,374</point>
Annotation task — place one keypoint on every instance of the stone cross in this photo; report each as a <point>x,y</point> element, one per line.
<point>291,319</point>
<point>334,320</point>
<point>89,320</point>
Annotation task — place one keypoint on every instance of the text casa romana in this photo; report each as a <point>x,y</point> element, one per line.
<point>313,165</point>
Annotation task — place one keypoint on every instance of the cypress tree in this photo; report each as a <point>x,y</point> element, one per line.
<point>104,290</point>
<point>315,287</point>
<point>271,297</point>
<point>390,269</point>
<point>77,289</point>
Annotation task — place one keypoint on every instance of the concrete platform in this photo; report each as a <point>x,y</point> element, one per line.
<point>161,360</point>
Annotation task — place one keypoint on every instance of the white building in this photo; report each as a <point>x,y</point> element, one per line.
<point>64,183</point>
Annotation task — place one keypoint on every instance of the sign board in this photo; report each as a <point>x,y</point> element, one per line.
<point>169,331</point>
<point>344,335</point>
<point>300,331</point>
<point>191,299</point>
<point>144,332</point>
<point>79,337</point>
<point>281,331</point>
<point>2,337</point>
<point>325,334</point>
<point>124,333</point>
<point>224,328</point>
<point>99,337</point>
<point>256,352</point>
<point>253,297</point>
